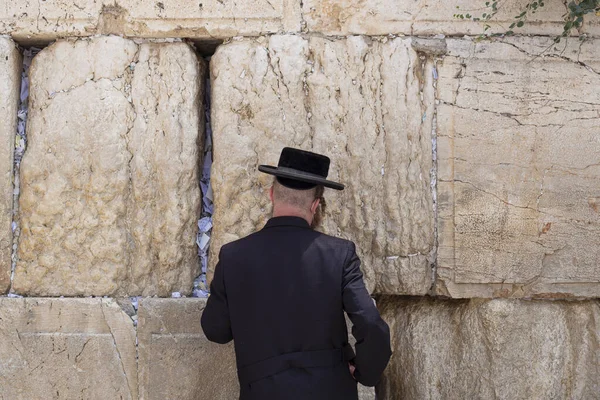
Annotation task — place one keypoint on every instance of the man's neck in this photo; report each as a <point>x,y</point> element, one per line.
<point>283,211</point>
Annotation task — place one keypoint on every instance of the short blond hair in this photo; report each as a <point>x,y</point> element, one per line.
<point>301,199</point>
<point>298,198</point>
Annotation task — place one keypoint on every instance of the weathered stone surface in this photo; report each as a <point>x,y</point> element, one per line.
<point>359,102</point>
<point>110,197</point>
<point>423,17</point>
<point>176,361</point>
<point>31,20</point>
<point>484,349</point>
<point>518,192</point>
<point>10,84</point>
<point>66,349</point>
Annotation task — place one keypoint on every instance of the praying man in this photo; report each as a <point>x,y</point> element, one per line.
<point>281,293</point>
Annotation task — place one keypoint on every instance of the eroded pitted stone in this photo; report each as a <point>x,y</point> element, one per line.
<point>501,348</point>
<point>367,105</point>
<point>110,195</point>
<point>425,17</point>
<point>518,150</point>
<point>66,348</point>
<point>10,84</point>
<point>32,20</point>
<point>176,361</point>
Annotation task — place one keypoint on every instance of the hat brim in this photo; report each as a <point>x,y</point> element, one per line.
<point>302,176</point>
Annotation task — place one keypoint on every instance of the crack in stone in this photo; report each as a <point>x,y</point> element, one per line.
<point>491,194</point>
<point>82,349</point>
<point>557,217</point>
<point>508,115</point>
<point>303,23</point>
<point>559,56</point>
<point>434,181</point>
<point>102,305</point>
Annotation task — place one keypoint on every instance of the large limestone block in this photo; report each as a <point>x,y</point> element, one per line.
<point>426,17</point>
<point>176,361</point>
<point>518,146</point>
<point>66,349</point>
<point>366,104</point>
<point>10,84</point>
<point>492,349</point>
<point>110,197</point>
<point>34,21</point>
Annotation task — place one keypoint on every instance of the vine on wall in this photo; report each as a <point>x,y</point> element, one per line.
<point>577,12</point>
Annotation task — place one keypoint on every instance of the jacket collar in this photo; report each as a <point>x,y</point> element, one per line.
<point>287,221</point>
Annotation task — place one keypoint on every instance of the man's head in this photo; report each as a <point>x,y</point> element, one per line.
<point>308,203</point>
<point>301,178</point>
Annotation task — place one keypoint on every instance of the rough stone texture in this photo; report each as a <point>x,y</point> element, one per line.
<point>492,349</point>
<point>176,361</point>
<point>41,21</point>
<point>10,84</point>
<point>356,100</point>
<point>32,20</point>
<point>424,17</point>
<point>518,193</point>
<point>110,197</point>
<point>66,349</point>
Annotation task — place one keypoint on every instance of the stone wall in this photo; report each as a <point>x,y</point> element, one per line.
<point>471,171</point>
<point>88,348</point>
<point>518,199</point>
<point>121,220</point>
<point>492,349</point>
<point>358,100</point>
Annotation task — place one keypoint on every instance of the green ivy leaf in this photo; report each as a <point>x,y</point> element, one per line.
<point>574,18</point>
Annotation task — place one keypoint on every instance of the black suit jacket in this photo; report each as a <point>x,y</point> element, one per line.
<point>280,294</point>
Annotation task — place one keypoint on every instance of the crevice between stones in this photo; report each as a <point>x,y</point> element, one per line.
<point>432,50</point>
<point>434,180</point>
<point>19,150</point>
<point>205,223</point>
<point>303,24</point>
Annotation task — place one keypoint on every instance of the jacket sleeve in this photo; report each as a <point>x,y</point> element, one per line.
<point>215,318</point>
<point>371,332</point>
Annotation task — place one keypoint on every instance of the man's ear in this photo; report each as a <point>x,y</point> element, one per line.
<point>271,194</point>
<point>315,204</point>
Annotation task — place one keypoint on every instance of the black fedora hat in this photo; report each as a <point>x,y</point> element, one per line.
<point>300,169</point>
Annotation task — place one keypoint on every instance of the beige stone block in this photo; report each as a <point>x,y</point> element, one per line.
<point>356,100</point>
<point>422,17</point>
<point>500,348</point>
<point>66,349</point>
<point>35,21</point>
<point>518,202</point>
<point>110,197</point>
<point>10,84</point>
<point>176,361</point>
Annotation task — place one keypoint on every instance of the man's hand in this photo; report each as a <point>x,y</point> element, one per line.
<point>352,368</point>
